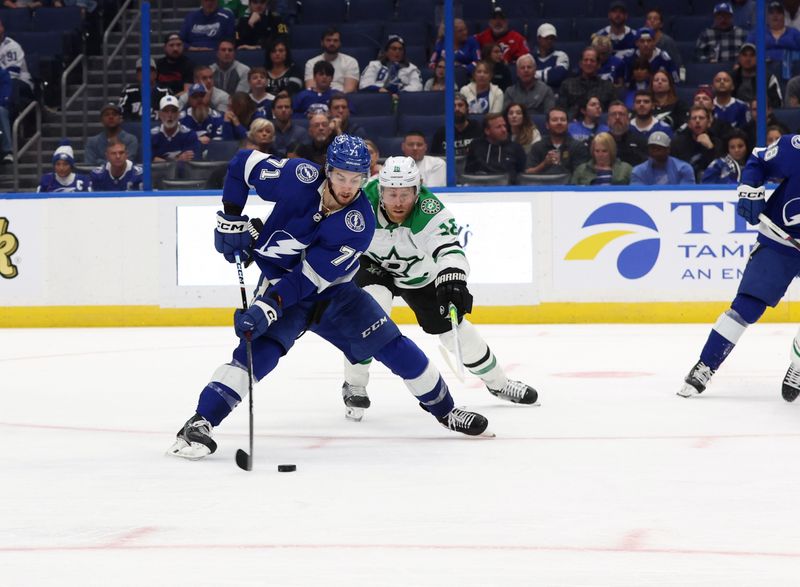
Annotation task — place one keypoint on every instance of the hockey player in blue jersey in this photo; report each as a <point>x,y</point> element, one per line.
<point>308,253</point>
<point>63,178</point>
<point>772,266</point>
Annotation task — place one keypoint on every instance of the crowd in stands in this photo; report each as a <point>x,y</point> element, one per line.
<point>628,107</point>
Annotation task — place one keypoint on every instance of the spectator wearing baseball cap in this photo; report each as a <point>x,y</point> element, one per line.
<point>511,42</point>
<point>174,70</point>
<point>111,119</point>
<point>552,66</point>
<point>721,42</point>
<point>622,36</point>
<point>744,79</point>
<point>201,118</point>
<point>171,141</point>
<point>660,168</point>
<point>131,99</point>
<point>646,50</point>
<point>780,38</point>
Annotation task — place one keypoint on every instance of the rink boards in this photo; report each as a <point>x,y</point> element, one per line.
<point>553,256</point>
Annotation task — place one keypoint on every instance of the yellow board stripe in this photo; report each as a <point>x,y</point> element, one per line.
<point>549,313</point>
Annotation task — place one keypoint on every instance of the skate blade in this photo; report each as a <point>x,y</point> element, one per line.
<point>191,452</point>
<point>354,414</point>
<point>486,434</point>
<point>687,391</point>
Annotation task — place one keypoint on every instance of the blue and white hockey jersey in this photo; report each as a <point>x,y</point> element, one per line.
<point>211,127</point>
<point>103,181</point>
<point>659,61</point>
<point>779,160</point>
<point>72,183</point>
<point>302,252</point>
<point>627,40</point>
<point>734,113</point>
<point>169,147</point>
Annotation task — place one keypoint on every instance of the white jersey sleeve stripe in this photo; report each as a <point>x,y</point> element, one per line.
<point>254,159</point>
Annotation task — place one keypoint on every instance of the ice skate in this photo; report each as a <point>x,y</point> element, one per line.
<point>516,392</point>
<point>696,381</point>
<point>356,401</point>
<point>791,384</point>
<point>194,440</point>
<point>469,423</point>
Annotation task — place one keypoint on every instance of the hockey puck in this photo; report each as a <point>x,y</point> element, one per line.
<point>287,468</point>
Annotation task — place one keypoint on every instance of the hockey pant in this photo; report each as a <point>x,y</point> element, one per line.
<point>354,323</point>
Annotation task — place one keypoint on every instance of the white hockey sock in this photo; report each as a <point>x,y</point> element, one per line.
<point>476,354</point>
<point>796,350</point>
<point>731,326</point>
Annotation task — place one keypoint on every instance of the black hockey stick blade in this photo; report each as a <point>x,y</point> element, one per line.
<point>244,460</point>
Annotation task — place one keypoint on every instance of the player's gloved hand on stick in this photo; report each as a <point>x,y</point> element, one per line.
<point>232,235</point>
<point>451,286</point>
<point>751,203</point>
<point>257,318</point>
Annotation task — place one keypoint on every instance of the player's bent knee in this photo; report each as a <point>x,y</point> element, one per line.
<point>748,308</point>
<point>403,357</point>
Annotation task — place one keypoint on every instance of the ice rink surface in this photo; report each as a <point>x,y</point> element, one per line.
<point>612,480</point>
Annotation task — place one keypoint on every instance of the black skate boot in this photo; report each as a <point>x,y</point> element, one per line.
<point>194,440</point>
<point>516,392</point>
<point>791,384</point>
<point>356,401</point>
<point>697,379</point>
<point>469,423</point>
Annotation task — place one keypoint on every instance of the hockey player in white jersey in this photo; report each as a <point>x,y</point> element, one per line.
<point>416,254</point>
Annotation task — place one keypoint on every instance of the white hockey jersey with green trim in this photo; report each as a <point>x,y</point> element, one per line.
<point>415,251</point>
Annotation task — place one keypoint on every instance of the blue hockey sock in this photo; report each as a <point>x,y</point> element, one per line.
<point>406,360</point>
<point>216,402</point>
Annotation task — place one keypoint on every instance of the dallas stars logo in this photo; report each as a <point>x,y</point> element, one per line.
<point>397,265</point>
<point>430,206</point>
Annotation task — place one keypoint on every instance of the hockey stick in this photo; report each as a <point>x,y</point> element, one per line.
<point>778,231</point>
<point>459,370</point>
<point>243,459</point>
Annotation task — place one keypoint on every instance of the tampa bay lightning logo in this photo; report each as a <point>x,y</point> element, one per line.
<point>355,221</point>
<point>637,259</point>
<point>306,173</point>
<point>796,141</point>
<point>281,244</point>
<point>791,212</point>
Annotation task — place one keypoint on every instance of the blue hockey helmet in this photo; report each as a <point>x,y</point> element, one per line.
<point>348,153</point>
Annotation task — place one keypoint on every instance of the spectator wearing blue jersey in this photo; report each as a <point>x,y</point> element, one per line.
<point>203,29</point>
<point>654,20</point>
<point>621,35</point>
<point>466,47</point>
<point>643,120</point>
<point>63,178</point>
<point>391,72</point>
<point>728,168</point>
<point>320,92</point>
<point>118,173</point>
<point>257,80</point>
<point>667,107</point>
<point>721,42</point>
<point>111,119</point>
<point>588,124</point>
<point>610,67</point>
<point>552,66</point>
<point>646,50</point>
<point>661,168</point>
<point>726,107</point>
<point>781,40</point>
<point>171,141</point>
<point>204,121</point>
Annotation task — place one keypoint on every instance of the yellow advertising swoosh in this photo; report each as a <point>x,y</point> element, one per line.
<point>589,247</point>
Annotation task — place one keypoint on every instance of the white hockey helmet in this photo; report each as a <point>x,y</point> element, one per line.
<point>400,172</point>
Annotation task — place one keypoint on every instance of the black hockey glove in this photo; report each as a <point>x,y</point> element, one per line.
<point>451,286</point>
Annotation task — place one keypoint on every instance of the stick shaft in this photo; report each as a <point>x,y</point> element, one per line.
<point>456,342</point>
<point>778,231</point>
<point>249,348</point>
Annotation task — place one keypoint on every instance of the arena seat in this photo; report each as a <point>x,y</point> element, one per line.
<point>542,178</point>
<point>421,103</point>
<point>322,11</point>
<point>377,10</point>
<point>417,10</point>
<point>183,184</point>
<point>66,19</point>
<point>790,117</point>
<point>703,73</point>
<point>389,146</point>
<point>688,28</point>
<point>16,21</point>
<point>370,104</point>
<point>221,150</point>
<point>423,123</point>
<point>483,179</point>
<point>377,126</point>
<point>413,33</point>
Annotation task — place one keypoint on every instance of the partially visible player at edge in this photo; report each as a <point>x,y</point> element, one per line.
<point>416,255</point>
<point>308,254</point>
<point>772,265</point>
